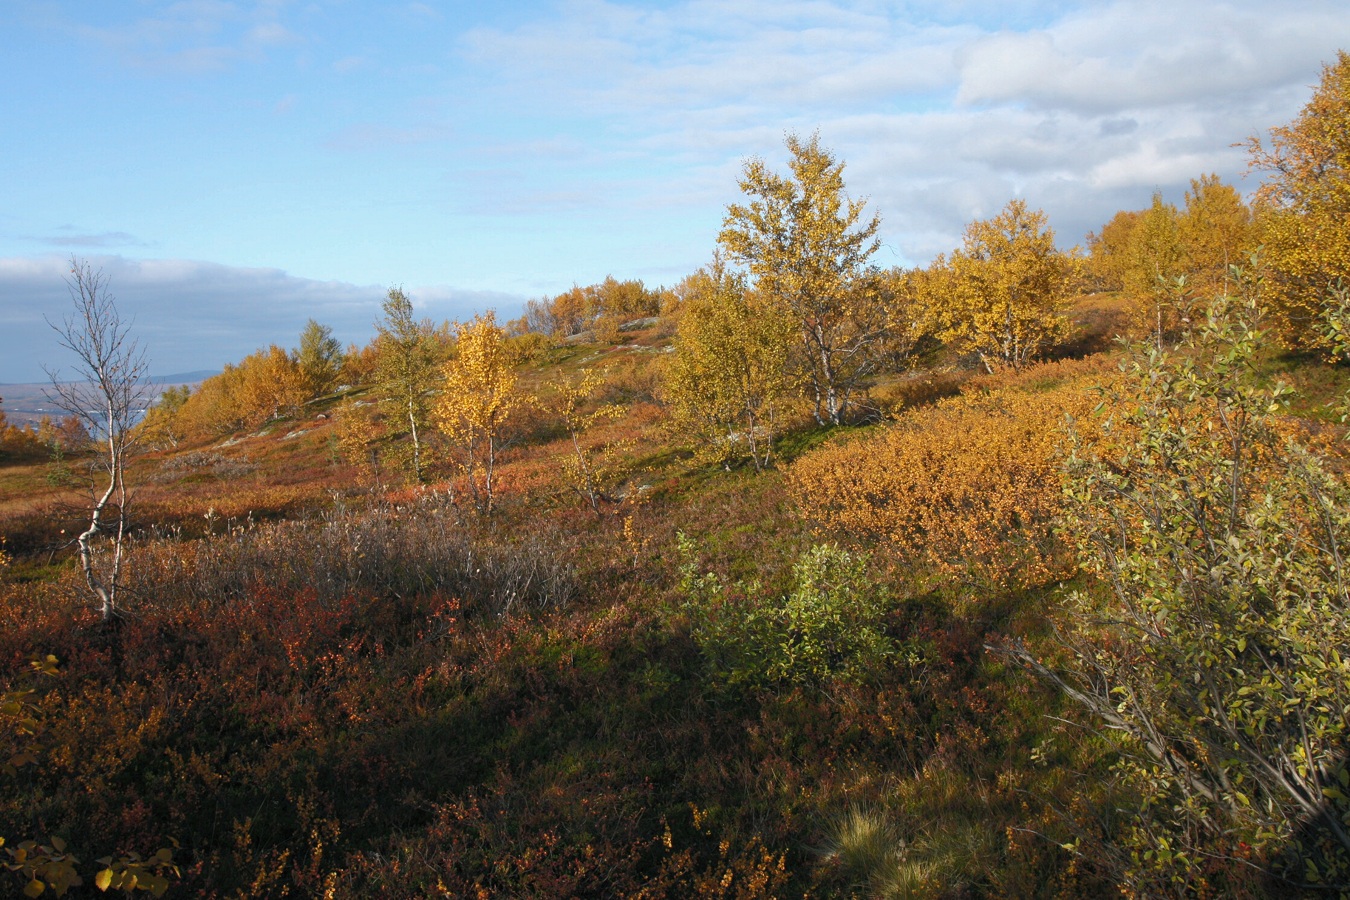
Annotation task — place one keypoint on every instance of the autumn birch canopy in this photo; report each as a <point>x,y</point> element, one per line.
<point>319,359</point>
<point>406,367</point>
<point>1304,206</point>
<point>808,244</point>
<point>478,394</point>
<point>729,372</point>
<point>1009,287</point>
<point>589,469</point>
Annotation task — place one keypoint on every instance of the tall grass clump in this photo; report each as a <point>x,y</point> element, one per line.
<point>422,549</point>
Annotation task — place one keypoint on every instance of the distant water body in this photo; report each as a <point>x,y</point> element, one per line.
<point>26,404</point>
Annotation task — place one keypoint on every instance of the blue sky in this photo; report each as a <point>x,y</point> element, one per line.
<point>237,167</point>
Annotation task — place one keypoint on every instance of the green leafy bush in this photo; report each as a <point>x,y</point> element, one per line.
<point>829,627</point>
<point>1216,648</point>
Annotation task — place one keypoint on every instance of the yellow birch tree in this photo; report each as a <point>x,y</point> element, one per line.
<point>1155,277</point>
<point>729,372</point>
<point>405,368</point>
<point>1009,287</point>
<point>1304,206</point>
<point>1217,231</point>
<point>478,395</point>
<point>588,468</point>
<point>807,244</point>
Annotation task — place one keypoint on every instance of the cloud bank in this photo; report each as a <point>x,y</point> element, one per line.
<point>191,316</point>
<point>942,111</point>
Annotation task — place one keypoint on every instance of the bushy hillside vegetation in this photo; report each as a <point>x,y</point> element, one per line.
<point>800,578</point>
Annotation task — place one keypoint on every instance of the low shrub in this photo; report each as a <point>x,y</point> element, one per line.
<point>829,627</point>
<point>420,550</point>
<point>967,489</point>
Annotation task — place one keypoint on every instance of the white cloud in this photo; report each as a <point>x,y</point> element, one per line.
<point>421,10</point>
<point>73,237</point>
<point>192,315</point>
<point>1127,55</point>
<point>270,33</point>
<point>195,36</point>
<point>351,64</point>
<point>575,136</point>
<point>942,113</point>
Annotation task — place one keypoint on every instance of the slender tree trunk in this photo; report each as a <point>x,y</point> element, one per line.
<point>487,477</point>
<point>827,380</point>
<point>584,470</point>
<point>417,446</point>
<point>106,593</point>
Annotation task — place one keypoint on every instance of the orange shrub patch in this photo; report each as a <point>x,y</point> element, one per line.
<point>969,488</point>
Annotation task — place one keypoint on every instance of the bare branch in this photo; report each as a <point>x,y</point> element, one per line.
<point>107,395</point>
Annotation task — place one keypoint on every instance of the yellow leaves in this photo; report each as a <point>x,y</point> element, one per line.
<point>356,433</point>
<point>1111,251</point>
<point>478,395</point>
<point>807,245</point>
<point>263,385</point>
<point>19,714</point>
<point>600,307</point>
<point>318,359</point>
<point>970,488</point>
<point>1006,289</point>
<point>405,368</point>
<point>1217,231</point>
<point>130,873</point>
<point>729,370</point>
<point>1146,254</point>
<point>588,469</point>
<point>45,866</point>
<point>480,380</point>
<point>1304,206</point>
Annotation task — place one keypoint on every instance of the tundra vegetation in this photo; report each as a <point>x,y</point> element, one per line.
<point>1019,574</point>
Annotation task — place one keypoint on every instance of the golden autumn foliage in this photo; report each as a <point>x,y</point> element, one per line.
<point>727,381</point>
<point>1304,206</point>
<point>601,308</point>
<point>1006,289</point>
<point>588,468</point>
<point>807,244</point>
<point>327,690</point>
<point>969,488</point>
<point>1217,231</point>
<point>1154,274</point>
<point>274,384</point>
<point>25,442</point>
<point>1163,258</point>
<point>478,395</point>
<point>163,426</point>
<point>319,359</point>
<point>1110,250</point>
<point>264,385</point>
<point>357,434</point>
